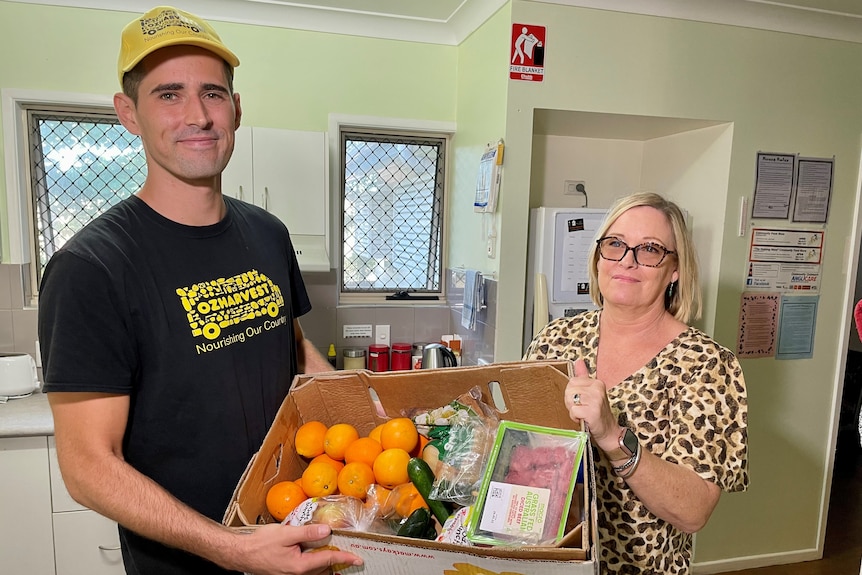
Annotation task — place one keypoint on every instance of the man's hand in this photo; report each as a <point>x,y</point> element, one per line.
<point>278,550</point>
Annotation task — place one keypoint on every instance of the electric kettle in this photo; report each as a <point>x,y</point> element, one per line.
<point>436,355</point>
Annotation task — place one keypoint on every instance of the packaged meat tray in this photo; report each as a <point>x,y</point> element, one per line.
<point>527,488</point>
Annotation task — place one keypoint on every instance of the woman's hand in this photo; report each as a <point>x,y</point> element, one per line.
<point>592,407</point>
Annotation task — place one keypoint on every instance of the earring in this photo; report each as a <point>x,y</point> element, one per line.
<point>670,290</point>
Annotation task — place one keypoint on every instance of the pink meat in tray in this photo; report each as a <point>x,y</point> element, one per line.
<point>547,467</point>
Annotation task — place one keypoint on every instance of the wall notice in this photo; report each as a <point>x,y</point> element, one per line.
<point>527,57</point>
<point>758,325</point>
<point>796,327</point>
<point>785,260</point>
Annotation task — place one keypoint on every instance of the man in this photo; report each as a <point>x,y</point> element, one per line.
<point>168,326</point>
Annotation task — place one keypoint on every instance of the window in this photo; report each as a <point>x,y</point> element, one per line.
<point>69,160</point>
<point>81,164</point>
<point>392,196</point>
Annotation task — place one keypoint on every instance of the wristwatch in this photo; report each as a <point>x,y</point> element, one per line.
<point>629,446</point>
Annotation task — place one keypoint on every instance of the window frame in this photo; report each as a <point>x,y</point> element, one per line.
<point>19,225</point>
<point>339,123</point>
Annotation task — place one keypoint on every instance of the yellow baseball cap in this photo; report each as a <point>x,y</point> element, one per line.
<point>166,26</point>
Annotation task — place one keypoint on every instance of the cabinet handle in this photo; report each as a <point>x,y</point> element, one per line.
<point>103,548</point>
<point>266,198</point>
<point>241,194</point>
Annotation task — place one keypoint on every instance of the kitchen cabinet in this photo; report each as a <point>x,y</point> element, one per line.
<point>286,173</point>
<point>43,531</point>
<point>26,536</point>
<point>85,543</point>
<point>80,544</point>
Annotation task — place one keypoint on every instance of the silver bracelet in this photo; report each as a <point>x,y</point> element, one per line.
<point>631,465</point>
<point>629,462</point>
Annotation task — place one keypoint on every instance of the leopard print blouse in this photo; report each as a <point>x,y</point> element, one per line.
<point>688,406</point>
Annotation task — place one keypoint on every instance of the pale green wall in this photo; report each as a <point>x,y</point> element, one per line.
<point>783,93</point>
<point>286,79</point>
<point>482,81</point>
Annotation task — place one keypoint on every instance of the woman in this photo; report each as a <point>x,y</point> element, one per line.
<point>664,403</point>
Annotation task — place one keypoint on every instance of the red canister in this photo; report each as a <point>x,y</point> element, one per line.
<point>378,357</point>
<point>401,356</point>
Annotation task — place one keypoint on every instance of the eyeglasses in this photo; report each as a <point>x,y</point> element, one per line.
<point>649,254</point>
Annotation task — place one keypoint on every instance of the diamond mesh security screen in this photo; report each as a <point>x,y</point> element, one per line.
<point>80,166</point>
<point>393,212</point>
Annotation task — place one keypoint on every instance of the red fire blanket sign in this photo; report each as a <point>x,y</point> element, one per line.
<point>528,53</point>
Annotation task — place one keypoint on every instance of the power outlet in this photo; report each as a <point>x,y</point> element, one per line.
<point>381,334</point>
<point>570,188</point>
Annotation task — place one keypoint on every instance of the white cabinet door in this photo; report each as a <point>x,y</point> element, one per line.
<point>85,543</point>
<point>26,539</point>
<point>237,180</point>
<point>290,174</point>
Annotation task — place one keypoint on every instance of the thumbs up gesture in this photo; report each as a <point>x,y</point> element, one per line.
<point>587,401</point>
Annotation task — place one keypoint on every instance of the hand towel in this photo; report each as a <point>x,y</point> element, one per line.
<point>472,290</point>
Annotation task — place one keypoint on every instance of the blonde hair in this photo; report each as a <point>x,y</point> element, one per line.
<point>684,301</point>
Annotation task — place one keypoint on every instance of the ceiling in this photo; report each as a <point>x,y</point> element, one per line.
<point>451,21</point>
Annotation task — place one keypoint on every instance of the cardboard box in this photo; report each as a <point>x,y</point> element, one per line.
<point>526,392</point>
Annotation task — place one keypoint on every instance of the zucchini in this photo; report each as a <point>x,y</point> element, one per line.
<point>422,477</point>
<point>416,525</point>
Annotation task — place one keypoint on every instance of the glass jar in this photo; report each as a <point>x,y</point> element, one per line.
<point>354,359</point>
<point>378,357</point>
<point>401,359</point>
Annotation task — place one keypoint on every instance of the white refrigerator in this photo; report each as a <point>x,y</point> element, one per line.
<point>558,281</point>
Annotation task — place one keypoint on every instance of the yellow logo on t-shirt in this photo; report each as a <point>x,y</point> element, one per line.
<point>216,304</point>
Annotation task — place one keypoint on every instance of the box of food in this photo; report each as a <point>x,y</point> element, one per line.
<point>522,392</point>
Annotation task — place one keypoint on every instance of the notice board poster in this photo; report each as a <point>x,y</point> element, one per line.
<point>758,325</point>
<point>785,260</point>
<point>527,56</point>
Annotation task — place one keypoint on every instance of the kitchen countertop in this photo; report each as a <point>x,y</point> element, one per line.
<point>26,416</point>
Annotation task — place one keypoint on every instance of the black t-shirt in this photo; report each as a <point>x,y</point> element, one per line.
<point>195,324</point>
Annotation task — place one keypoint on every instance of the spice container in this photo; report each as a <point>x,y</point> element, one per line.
<point>401,356</point>
<point>354,359</point>
<point>416,360</point>
<point>378,357</point>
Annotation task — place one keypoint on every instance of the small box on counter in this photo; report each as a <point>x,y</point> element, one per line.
<point>522,392</point>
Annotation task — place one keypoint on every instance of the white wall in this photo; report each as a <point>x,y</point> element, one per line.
<point>610,169</point>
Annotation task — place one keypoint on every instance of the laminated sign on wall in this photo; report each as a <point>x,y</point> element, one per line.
<point>527,58</point>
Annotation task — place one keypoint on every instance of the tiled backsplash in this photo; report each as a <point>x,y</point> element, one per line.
<point>323,325</point>
<point>415,323</point>
<point>17,321</point>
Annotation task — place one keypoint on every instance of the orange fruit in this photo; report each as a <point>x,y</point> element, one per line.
<point>319,479</point>
<point>283,497</point>
<point>377,495</point>
<point>363,449</point>
<point>355,478</point>
<point>420,445</point>
<point>409,499</point>
<point>399,433</point>
<point>308,441</point>
<point>323,458</point>
<point>390,467</point>
<point>337,438</point>
<point>375,433</point>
